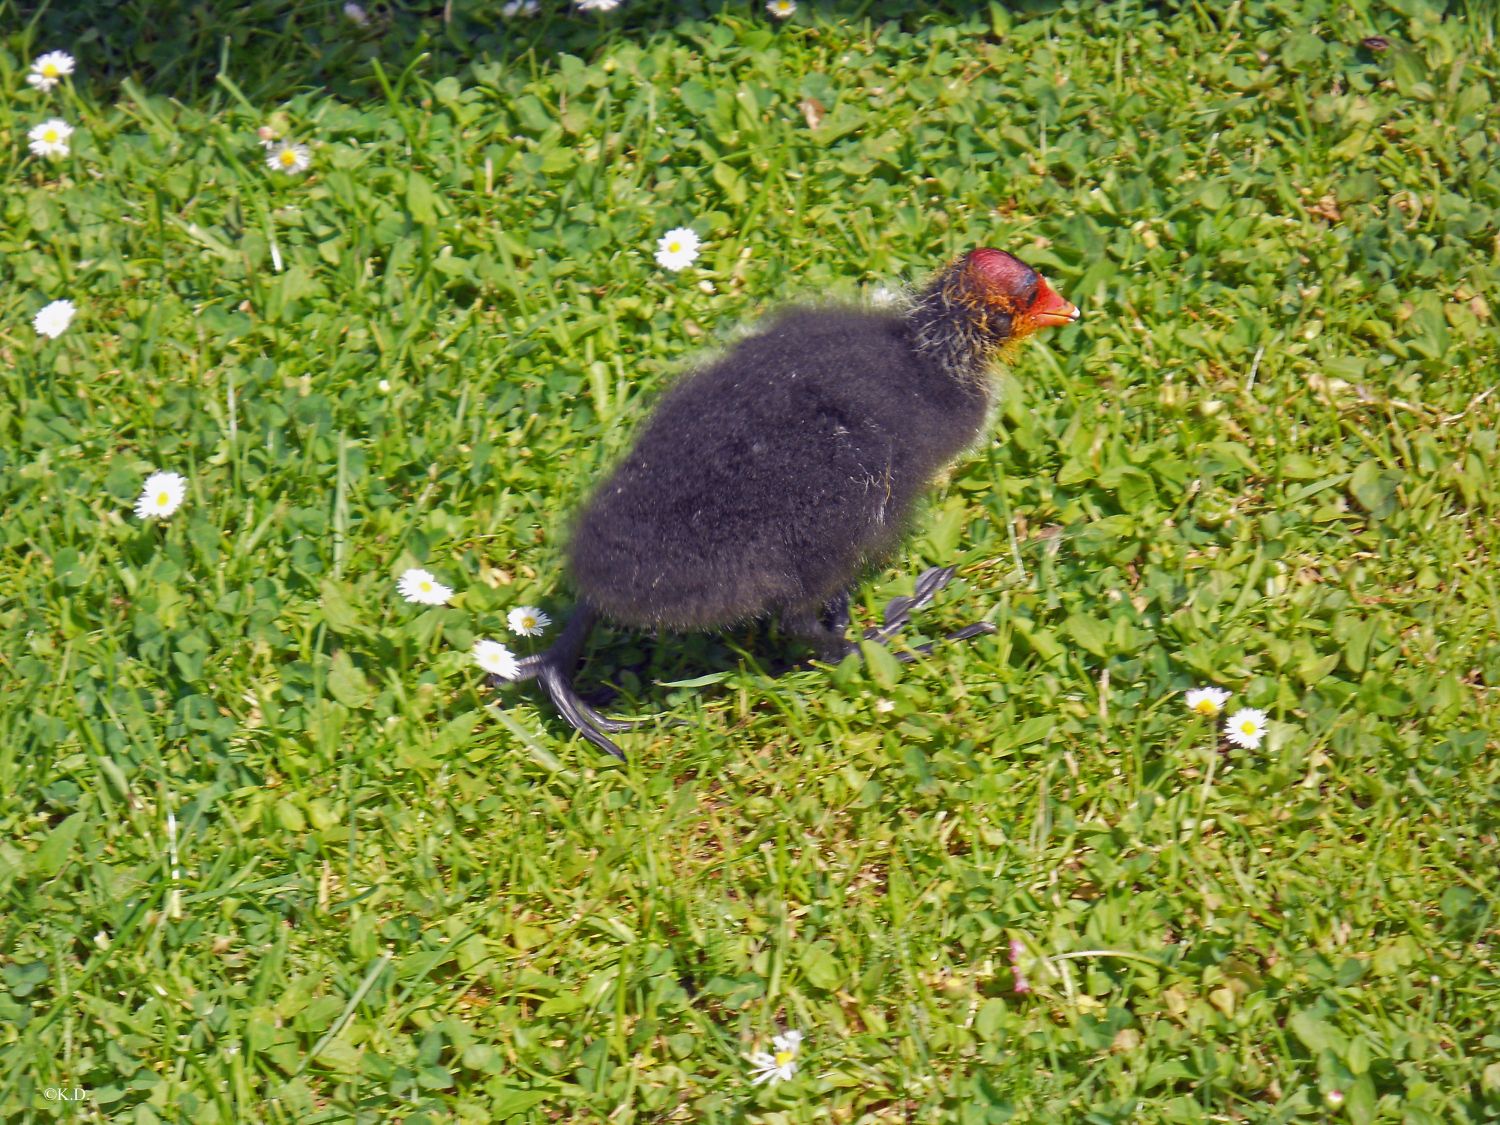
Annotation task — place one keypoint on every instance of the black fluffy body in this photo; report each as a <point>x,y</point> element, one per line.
<point>766,482</point>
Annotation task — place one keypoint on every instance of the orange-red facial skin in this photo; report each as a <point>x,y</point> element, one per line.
<point>994,280</point>
<point>980,309</point>
<point>1003,281</point>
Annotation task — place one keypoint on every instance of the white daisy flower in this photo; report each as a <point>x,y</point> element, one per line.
<point>163,495</point>
<point>778,1067</point>
<point>50,69</point>
<point>677,249</point>
<point>418,585</point>
<point>781,9</point>
<point>1246,727</point>
<point>1206,700</point>
<point>50,138</point>
<point>527,621</point>
<point>598,5</point>
<point>289,158</point>
<point>496,659</point>
<point>53,319</point>
<point>519,8</point>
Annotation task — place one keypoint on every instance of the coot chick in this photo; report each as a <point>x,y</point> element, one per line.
<point>766,482</point>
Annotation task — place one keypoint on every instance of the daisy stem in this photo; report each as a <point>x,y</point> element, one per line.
<point>341,507</point>
<point>1208,784</point>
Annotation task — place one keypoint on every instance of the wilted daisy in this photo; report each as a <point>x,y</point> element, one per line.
<point>1018,975</point>
<point>527,621</point>
<point>53,319</point>
<point>50,138</point>
<point>162,495</point>
<point>598,5</point>
<point>418,585</point>
<point>677,249</point>
<point>1246,727</point>
<point>496,659</point>
<point>1206,700</point>
<point>519,8</point>
<point>781,8</point>
<point>50,69</point>
<point>289,158</point>
<point>780,1066</point>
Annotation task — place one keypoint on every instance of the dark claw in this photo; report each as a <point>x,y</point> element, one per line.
<point>527,668</point>
<point>553,669</point>
<point>929,582</point>
<point>978,629</point>
<point>577,713</point>
<point>899,609</point>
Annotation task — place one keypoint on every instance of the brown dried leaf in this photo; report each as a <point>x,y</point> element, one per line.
<point>1326,208</point>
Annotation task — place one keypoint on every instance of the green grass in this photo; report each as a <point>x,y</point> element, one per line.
<point>1265,459</point>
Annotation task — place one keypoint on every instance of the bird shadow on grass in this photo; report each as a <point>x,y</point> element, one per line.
<point>651,677</point>
<point>273,49</point>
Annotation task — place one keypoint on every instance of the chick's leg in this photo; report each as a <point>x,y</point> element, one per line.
<point>554,669</point>
<point>899,609</point>
<point>824,628</point>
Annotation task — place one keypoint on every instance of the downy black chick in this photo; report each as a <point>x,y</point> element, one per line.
<point>765,483</point>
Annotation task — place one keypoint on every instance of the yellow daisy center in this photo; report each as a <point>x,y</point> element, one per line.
<point>674,247</point>
<point>288,157</point>
<point>1248,727</point>
<point>50,136</point>
<point>1205,707</point>
<point>784,1057</point>
<point>50,70</point>
<point>163,499</point>
<point>528,622</point>
<point>425,586</point>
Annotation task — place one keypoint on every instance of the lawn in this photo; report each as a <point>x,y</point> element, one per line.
<point>271,849</point>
